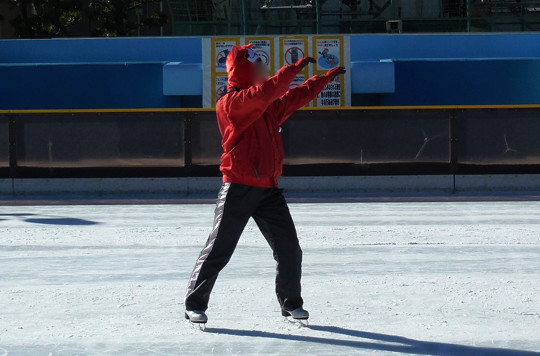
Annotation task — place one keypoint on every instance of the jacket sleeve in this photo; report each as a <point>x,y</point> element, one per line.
<point>246,106</point>
<point>299,96</point>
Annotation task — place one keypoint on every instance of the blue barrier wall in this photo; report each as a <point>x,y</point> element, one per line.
<point>444,46</point>
<point>93,73</point>
<point>444,69</point>
<point>102,50</point>
<point>67,86</point>
<point>466,82</point>
<point>451,69</point>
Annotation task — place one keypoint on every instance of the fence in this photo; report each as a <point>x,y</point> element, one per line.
<point>256,17</point>
<point>348,141</point>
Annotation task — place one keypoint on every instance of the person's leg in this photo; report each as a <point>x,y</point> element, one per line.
<point>234,207</point>
<point>276,224</point>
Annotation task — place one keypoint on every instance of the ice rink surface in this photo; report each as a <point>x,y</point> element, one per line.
<point>380,278</point>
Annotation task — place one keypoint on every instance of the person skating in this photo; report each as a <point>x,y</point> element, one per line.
<point>249,116</point>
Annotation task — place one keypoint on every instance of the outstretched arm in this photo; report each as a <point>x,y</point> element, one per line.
<point>299,96</point>
<point>246,106</point>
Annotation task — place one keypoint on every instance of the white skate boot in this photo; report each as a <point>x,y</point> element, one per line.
<point>196,317</point>
<point>299,315</point>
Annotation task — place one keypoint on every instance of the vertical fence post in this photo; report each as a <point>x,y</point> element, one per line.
<point>468,15</point>
<point>317,17</point>
<point>244,18</point>
<point>522,17</point>
<point>12,128</point>
<point>187,143</point>
<point>453,144</point>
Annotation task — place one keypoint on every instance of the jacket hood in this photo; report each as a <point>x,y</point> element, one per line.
<point>240,62</point>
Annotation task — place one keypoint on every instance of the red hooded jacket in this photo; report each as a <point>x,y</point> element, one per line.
<point>249,118</point>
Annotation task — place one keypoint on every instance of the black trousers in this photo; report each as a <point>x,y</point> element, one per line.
<point>236,203</point>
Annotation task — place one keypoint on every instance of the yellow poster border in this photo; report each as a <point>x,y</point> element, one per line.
<point>306,50</point>
<point>272,48</point>
<point>341,58</point>
<point>213,63</point>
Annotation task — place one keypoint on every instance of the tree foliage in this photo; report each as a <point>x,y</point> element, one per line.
<point>45,18</point>
<point>118,17</point>
<point>56,18</point>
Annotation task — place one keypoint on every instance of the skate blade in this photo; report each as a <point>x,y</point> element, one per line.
<point>301,323</point>
<point>200,326</point>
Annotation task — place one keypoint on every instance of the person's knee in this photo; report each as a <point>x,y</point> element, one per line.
<point>296,253</point>
<point>299,253</point>
<point>288,253</point>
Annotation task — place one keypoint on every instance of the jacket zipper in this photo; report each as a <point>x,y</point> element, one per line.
<point>256,172</point>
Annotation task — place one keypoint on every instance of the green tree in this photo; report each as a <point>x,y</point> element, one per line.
<point>119,17</point>
<point>45,18</point>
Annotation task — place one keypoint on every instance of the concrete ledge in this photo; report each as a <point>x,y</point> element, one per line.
<point>498,183</point>
<point>324,186</point>
<point>369,184</point>
<point>113,186</point>
<point>6,186</point>
<point>373,77</point>
<point>182,79</point>
<point>210,185</point>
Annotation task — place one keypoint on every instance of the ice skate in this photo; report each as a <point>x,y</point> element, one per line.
<point>197,317</point>
<point>299,316</point>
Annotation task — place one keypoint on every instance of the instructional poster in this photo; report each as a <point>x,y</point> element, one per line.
<point>291,50</point>
<point>277,51</point>
<point>220,85</point>
<point>328,51</point>
<point>220,51</point>
<point>264,47</point>
<point>300,79</point>
<point>220,48</point>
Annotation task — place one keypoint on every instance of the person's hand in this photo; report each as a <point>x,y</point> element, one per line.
<point>334,72</point>
<point>302,63</point>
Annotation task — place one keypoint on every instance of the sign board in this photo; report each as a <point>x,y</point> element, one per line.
<point>329,51</point>
<point>278,51</point>
<point>264,46</point>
